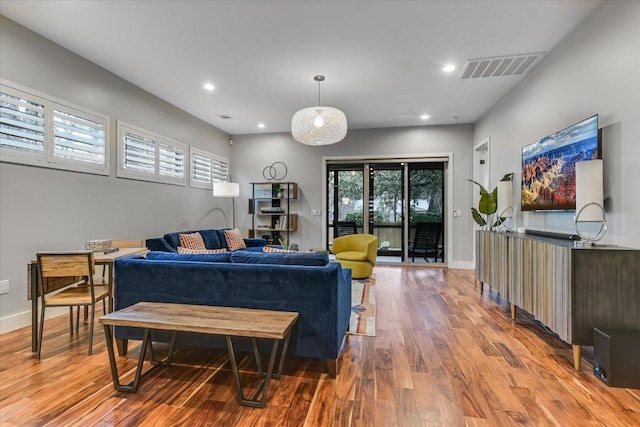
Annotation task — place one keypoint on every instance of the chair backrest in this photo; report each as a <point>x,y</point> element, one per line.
<point>427,235</point>
<point>66,264</point>
<point>128,243</point>
<point>344,228</point>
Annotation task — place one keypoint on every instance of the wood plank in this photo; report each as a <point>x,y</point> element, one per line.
<point>234,321</point>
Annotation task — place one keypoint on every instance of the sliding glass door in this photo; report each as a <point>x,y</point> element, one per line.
<point>386,207</point>
<point>387,199</point>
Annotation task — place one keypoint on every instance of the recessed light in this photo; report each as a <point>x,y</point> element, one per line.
<point>261,125</point>
<point>425,117</point>
<point>208,86</point>
<point>448,68</point>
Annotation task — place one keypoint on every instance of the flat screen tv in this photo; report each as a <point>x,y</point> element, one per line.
<point>549,166</point>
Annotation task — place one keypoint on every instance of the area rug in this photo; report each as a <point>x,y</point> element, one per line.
<point>363,307</point>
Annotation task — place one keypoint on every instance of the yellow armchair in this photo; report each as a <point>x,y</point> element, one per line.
<point>357,252</point>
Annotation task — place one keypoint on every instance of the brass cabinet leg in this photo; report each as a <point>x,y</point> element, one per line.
<point>481,286</point>
<point>514,311</point>
<point>577,357</point>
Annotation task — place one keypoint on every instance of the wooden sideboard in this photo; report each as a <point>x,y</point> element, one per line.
<point>569,289</point>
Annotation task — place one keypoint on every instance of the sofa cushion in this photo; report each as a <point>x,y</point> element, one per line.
<point>289,258</point>
<point>173,239</point>
<point>211,239</point>
<point>234,239</point>
<point>192,241</point>
<point>352,256</point>
<point>182,250</point>
<point>172,256</point>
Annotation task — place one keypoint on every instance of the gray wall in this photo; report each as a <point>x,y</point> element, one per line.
<point>251,153</point>
<point>47,209</point>
<point>594,70</point>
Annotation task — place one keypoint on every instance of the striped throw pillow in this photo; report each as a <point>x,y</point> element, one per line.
<point>272,249</point>
<point>234,239</point>
<point>183,250</point>
<point>192,241</point>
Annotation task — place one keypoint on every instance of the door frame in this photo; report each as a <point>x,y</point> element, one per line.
<point>446,157</point>
<point>481,151</point>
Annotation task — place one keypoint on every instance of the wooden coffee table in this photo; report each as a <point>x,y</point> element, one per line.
<point>227,321</point>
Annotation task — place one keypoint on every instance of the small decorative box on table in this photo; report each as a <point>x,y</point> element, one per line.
<point>97,245</point>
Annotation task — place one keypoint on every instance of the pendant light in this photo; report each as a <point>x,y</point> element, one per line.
<point>319,125</point>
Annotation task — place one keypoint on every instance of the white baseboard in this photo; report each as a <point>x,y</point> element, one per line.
<point>462,265</point>
<point>20,320</point>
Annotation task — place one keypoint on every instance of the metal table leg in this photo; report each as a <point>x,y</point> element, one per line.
<point>260,396</point>
<point>132,387</point>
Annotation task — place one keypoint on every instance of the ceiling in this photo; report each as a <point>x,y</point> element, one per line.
<point>382,60</point>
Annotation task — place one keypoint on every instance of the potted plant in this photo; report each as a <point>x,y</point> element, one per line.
<point>487,206</point>
<point>278,191</point>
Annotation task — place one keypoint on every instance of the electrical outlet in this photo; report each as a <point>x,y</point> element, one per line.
<point>4,287</point>
<point>457,212</point>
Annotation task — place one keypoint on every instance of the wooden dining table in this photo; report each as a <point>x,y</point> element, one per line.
<point>100,258</point>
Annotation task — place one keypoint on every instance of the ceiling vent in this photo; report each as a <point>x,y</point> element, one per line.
<point>511,65</point>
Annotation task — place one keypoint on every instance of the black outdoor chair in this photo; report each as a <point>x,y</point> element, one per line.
<point>426,242</point>
<point>344,228</point>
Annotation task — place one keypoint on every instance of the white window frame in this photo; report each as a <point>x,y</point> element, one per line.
<point>47,158</point>
<point>157,140</point>
<point>213,160</point>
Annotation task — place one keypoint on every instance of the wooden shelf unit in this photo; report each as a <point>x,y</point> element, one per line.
<point>271,211</point>
<point>570,289</point>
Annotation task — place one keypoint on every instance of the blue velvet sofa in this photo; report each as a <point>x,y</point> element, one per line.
<point>213,239</point>
<point>319,290</point>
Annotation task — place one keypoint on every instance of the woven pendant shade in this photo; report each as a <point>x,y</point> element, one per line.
<point>319,125</point>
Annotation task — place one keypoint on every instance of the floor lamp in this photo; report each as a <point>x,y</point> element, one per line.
<point>228,189</point>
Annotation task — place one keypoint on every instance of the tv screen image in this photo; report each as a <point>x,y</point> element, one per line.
<point>549,166</point>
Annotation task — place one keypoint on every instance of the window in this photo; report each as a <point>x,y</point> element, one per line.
<point>207,168</point>
<point>39,131</point>
<point>146,156</point>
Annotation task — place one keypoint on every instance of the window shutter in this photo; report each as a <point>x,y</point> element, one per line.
<point>138,154</point>
<point>21,125</point>
<point>78,138</point>
<point>171,161</point>
<point>219,169</point>
<point>201,169</point>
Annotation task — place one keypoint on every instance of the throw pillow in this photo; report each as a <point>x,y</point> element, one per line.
<point>272,249</point>
<point>192,241</point>
<point>234,239</point>
<point>183,250</point>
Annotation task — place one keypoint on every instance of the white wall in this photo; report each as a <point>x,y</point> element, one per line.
<point>594,70</point>
<point>251,153</point>
<point>46,209</point>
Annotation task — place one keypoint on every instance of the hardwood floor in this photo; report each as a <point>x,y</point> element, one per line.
<point>444,355</point>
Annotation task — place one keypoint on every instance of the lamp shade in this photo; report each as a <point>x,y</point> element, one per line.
<point>226,189</point>
<point>319,125</point>
<point>505,199</point>
<point>589,189</point>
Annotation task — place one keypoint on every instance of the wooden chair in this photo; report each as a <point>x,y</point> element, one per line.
<point>426,241</point>
<point>82,293</point>
<point>344,228</point>
<point>127,243</point>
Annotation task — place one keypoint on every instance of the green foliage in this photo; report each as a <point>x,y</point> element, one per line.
<point>417,217</point>
<point>488,204</point>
